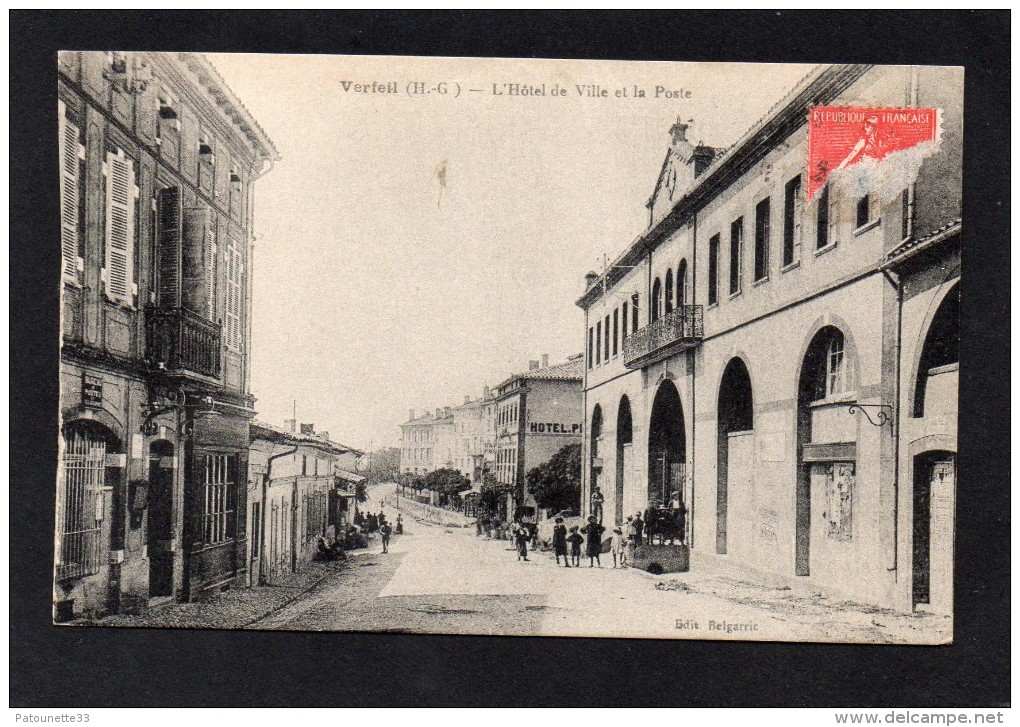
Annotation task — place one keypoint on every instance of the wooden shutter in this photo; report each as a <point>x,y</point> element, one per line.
<point>120,227</point>
<point>210,271</point>
<point>195,259</point>
<point>169,254</point>
<point>235,274</point>
<point>70,151</point>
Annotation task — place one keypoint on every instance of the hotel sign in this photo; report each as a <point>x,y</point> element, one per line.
<point>553,428</point>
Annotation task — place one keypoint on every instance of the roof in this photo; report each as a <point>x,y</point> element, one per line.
<point>821,85</point>
<point>350,476</point>
<point>264,430</point>
<point>232,106</point>
<point>427,419</point>
<point>909,248</point>
<point>572,369</point>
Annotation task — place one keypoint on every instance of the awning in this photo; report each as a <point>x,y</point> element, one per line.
<point>350,476</point>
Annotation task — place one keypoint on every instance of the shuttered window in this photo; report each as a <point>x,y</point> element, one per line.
<point>169,252</point>
<point>121,194</point>
<point>235,274</point>
<point>211,271</point>
<point>71,152</point>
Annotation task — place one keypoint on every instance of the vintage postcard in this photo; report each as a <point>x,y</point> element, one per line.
<point>508,346</point>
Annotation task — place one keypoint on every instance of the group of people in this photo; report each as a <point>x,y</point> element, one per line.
<point>592,537</point>
<point>377,523</point>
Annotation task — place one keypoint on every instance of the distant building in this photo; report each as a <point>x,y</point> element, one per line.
<point>474,425</point>
<point>158,161</point>
<point>537,413</point>
<point>788,367</point>
<point>301,486</point>
<point>427,442</point>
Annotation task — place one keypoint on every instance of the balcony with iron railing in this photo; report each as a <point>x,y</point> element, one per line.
<point>182,342</point>
<point>680,329</point>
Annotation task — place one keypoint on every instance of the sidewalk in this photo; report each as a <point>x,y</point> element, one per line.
<point>232,609</point>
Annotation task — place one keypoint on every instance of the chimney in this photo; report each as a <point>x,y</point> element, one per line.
<point>290,425</point>
<point>439,412</point>
<point>703,156</point>
<point>467,399</point>
<point>324,436</point>
<point>410,415</point>
<point>485,392</point>
<point>590,278</point>
<point>545,360</point>
<point>446,411</point>
<point>308,429</point>
<point>532,365</point>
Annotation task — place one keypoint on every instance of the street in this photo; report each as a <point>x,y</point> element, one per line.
<point>439,579</point>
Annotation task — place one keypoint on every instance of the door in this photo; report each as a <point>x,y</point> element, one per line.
<point>934,495</point>
<point>160,526</point>
<point>740,494</point>
<point>622,480</point>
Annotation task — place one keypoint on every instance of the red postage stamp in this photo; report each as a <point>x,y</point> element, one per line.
<point>842,136</point>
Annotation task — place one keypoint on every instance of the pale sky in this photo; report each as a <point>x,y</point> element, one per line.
<point>372,296</point>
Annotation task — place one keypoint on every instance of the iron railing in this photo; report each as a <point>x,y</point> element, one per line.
<point>680,329</point>
<point>183,341</point>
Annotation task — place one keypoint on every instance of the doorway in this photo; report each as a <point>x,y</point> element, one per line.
<point>160,526</point>
<point>735,450</point>
<point>624,439</point>
<point>934,494</point>
<point>667,447</point>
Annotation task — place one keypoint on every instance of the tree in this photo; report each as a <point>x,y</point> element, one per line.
<point>447,482</point>
<point>556,484</point>
<point>383,465</point>
<point>491,491</point>
<point>360,492</point>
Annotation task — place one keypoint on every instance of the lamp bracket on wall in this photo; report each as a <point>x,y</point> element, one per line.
<point>882,416</point>
<point>164,399</point>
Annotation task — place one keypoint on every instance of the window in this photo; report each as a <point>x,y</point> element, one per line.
<point>656,300</point>
<point>839,486</point>
<point>713,269</point>
<point>838,374</point>
<point>736,255</point>
<point>792,209</point>
<point>211,271</point>
<point>606,355</point>
<point>634,312</point>
<point>598,343</point>
<point>669,291</point>
<point>905,221</point>
<point>256,530</point>
<point>623,318</point>
<point>235,275</point>
<point>863,210</point>
<point>217,516</point>
<point>762,215</point>
<point>304,464</point>
<point>681,283</point>
<point>80,507</point>
<point>822,228</point>
<point>121,195</point>
<point>591,345</point>
<point>72,156</point>
<point>616,331</point>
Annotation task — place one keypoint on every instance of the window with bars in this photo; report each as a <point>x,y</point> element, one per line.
<point>121,197</point>
<point>80,504</point>
<point>72,158</point>
<point>234,336</point>
<point>218,510</point>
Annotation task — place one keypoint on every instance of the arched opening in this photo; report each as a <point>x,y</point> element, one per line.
<point>681,283</point>
<point>940,355</point>
<point>624,455</point>
<point>82,506</point>
<point>669,291</point>
<point>656,300</point>
<point>667,447</point>
<point>826,443</point>
<point>595,456</point>
<point>934,495</point>
<point>735,446</point>
<point>160,511</point>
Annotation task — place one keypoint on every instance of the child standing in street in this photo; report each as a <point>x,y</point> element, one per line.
<point>560,542</point>
<point>575,539</point>
<point>619,547</point>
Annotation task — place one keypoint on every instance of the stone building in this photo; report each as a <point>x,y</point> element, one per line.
<point>299,489</point>
<point>474,425</point>
<point>427,442</point>
<point>787,366</point>
<point>158,161</point>
<point>538,412</point>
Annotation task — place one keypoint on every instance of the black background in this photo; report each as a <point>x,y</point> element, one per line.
<point>95,667</point>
